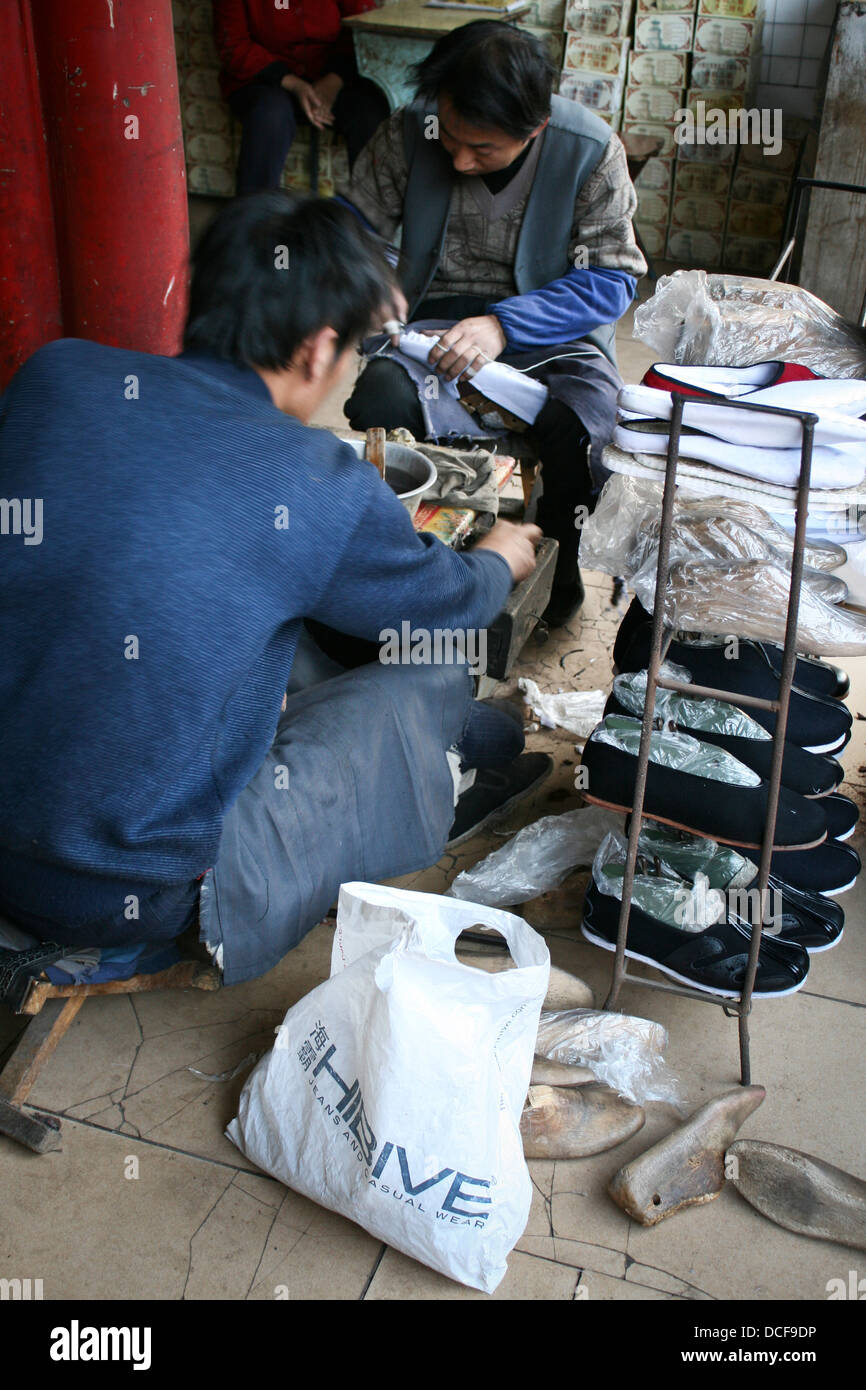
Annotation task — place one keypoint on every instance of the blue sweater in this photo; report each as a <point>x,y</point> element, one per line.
<point>148,637</point>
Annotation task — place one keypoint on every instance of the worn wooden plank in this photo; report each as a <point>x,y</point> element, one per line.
<point>36,1045</point>
<point>185,974</point>
<point>834,248</point>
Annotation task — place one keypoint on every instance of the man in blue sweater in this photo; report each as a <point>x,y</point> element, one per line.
<point>189,521</point>
<point>515,208</point>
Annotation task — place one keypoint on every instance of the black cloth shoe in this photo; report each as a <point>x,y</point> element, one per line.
<point>842,816</point>
<point>494,792</point>
<point>565,601</point>
<point>810,774</point>
<point>812,676</point>
<point>828,869</point>
<point>816,723</point>
<point>714,960</point>
<point>724,810</point>
<point>812,929</point>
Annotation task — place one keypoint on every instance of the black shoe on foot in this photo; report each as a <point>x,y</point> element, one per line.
<point>494,793</point>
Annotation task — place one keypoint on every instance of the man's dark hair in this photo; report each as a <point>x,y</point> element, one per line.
<point>493,74</point>
<point>273,268</point>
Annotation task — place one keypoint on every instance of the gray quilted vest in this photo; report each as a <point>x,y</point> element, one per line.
<point>574,142</point>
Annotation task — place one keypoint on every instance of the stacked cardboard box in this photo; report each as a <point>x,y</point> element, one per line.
<point>724,74</point>
<point>658,73</point>
<point>596,55</point>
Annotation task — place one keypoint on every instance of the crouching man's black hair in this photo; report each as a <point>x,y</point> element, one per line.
<point>271,269</point>
<point>494,75</point>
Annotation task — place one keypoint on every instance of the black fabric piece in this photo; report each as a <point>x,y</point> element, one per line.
<point>384,397</point>
<point>825,869</point>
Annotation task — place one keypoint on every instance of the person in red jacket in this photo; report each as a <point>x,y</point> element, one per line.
<point>284,63</point>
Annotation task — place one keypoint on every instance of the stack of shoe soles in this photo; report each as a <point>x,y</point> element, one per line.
<point>708,776</point>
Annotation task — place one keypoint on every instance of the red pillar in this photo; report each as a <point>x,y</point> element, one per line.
<point>29,287</point>
<point>108,79</point>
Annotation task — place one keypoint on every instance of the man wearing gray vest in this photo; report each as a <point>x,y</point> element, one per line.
<point>515,211</point>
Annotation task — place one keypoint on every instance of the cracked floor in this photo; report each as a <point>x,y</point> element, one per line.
<point>148,1199</point>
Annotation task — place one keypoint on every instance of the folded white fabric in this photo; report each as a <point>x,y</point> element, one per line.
<point>838,404</point>
<point>503,385</point>
<point>842,466</point>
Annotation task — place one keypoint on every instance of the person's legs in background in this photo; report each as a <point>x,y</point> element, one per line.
<point>359,110</point>
<point>385,396</point>
<point>562,444</point>
<point>269,120</point>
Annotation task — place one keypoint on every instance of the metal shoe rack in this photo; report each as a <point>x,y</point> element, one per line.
<point>660,640</point>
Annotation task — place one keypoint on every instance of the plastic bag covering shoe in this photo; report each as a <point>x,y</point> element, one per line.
<point>723,538</point>
<point>694,786</point>
<point>625,1052</point>
<point>737,320</point>
<point>750,598</point>
<point>537,859</point>
<point>678,751</point>
<point>805,919</point>
<point>394,1091</point>
<point>715,721</point>
<point>629,508</point>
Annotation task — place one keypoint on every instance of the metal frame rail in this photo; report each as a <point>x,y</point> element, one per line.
<point>661,636</point>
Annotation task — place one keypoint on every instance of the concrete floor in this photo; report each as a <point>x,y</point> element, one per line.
<point>199,1222</point>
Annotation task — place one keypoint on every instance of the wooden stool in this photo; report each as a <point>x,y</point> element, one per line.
<point>52,1009</point>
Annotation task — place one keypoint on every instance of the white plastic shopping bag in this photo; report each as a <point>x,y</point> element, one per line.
<point>394,1090</point>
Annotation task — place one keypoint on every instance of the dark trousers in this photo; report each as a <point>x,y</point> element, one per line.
<point>270,117</point>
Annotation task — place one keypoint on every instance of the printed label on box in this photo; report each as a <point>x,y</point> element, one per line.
<point>664,132</point>
<point>698,213</point>
<point>755,220</point>
<point>593,89</point>
<point>714,72</point>
<point>695,248</point>
<point>653,238</point>
<point>596,55</point>
<point>666,6</point>
<point>702,179</point>
<point>652,67</point>
<point>732,9</point>
<point>598,18</point>
<point>754,186</point>
<point>733,38</point>
<point>656,176</point>
<point>753,255</point>
<point>669,31</point>
<point>653,104</point>
<point>653,208</point>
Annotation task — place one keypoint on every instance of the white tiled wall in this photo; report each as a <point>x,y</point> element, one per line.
<point>796,33</point>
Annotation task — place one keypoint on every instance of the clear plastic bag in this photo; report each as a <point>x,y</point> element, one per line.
<point>537,859</point>
<point>678,751</point>
<point>687,711</point>
<point>621,536</point>
<point>734,320</point>
<point>686,855</point>
<point>690,900</point>
<point>577,711</point>
<point>625,1052</point>
<point>750,598</point>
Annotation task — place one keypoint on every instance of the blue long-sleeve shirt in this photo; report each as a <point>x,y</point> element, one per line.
<point>565,309</point>
<point>188,527</point>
